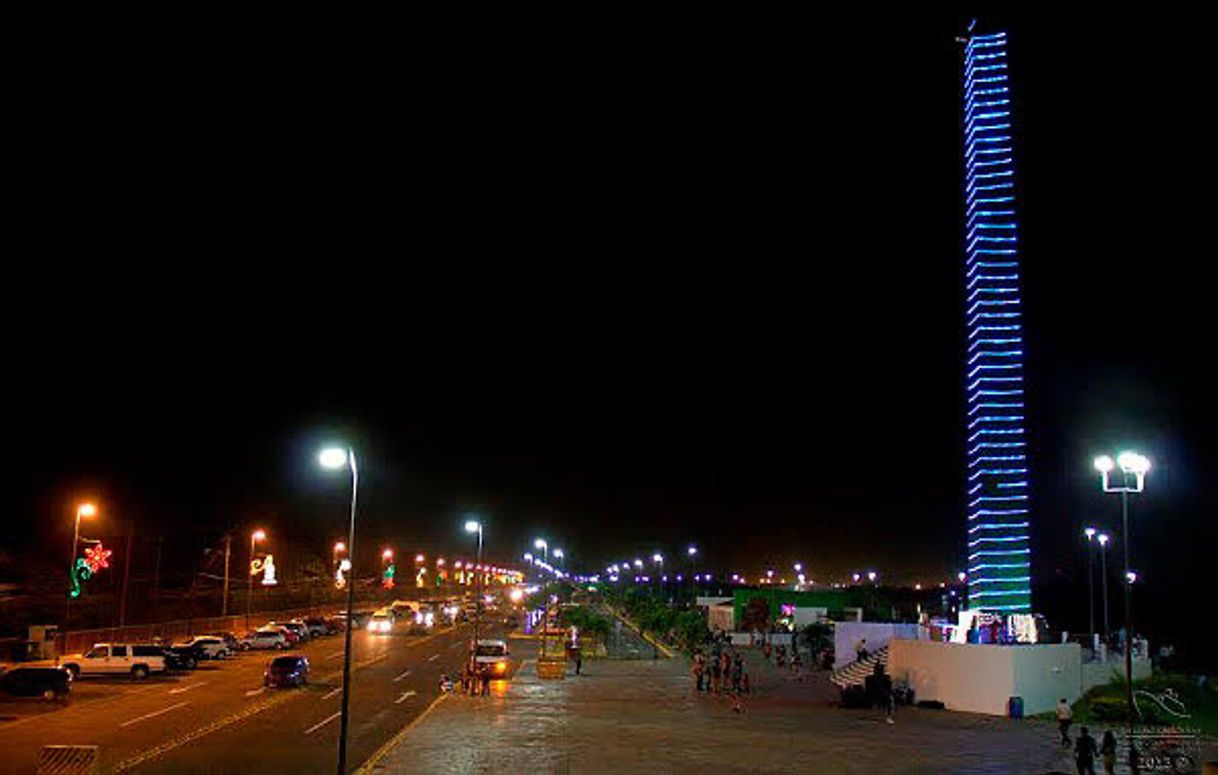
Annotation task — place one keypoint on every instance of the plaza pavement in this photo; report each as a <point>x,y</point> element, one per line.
<point>642,716</point>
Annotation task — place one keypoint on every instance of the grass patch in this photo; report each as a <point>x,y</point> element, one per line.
<point>1105,705</point>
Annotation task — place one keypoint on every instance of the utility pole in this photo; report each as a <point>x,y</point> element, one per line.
<point>228,550</point>
<point>122,604</point>
<point>156,577</point>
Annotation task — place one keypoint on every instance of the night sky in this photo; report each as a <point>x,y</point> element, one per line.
<point>696,284</point>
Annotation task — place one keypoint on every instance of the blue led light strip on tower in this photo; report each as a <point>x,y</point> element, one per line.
<point>998,520</point>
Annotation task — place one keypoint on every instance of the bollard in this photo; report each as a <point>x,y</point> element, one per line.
<point>67,760</point>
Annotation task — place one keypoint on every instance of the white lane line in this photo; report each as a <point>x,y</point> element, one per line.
<point>254,692</point>
<point>331,693</point>
<point>129,722</point>
<point>433,657</point>
<point>457,644</point>
<point>405,696</point>
<point>321,723</point>
<point>334,656</point>
<point>187,688</point>
<point>400,677</point>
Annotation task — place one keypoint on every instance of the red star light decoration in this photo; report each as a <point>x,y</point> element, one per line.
<point>97,557</point>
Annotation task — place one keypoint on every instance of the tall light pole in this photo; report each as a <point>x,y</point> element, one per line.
<point>475,526</point>
<point>1103,539</point>
<point>335,458</point>
<point>1090,533</point>
<point>692,552</point>
<point>83,511</point>
<point>255,537</point>
<point>1133,468</point>
<point>541,544</point>
<point>658,559</point>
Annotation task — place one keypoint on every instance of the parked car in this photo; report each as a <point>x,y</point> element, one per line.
<point>491,658</point>
<point>287,670</point>
<point>47,683</point>
<point>183,656</point>
<point>300,628</point>
<point>292,636</point>
<point>116,659</point>
<point>231,641</point>
<point>264,639</point>
<point>210,646</point>
<point>358,618</point>
<point>337,622</point>
<point>319,626</point>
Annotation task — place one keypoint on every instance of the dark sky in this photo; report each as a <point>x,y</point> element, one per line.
<point>699,283</point>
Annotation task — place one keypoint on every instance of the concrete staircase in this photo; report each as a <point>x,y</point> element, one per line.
<point>855,673</point>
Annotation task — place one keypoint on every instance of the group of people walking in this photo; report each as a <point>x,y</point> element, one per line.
<point>718,671</point>
<point>1085,747</point>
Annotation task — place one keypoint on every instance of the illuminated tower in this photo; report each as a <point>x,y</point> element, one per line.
<point>998,547</point>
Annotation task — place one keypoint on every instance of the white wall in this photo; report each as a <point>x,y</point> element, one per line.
<point>982,678</point>
<point>806,616</point>
<point>878,634</point>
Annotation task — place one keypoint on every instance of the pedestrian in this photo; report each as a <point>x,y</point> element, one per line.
<point>744,683</point>
<point>765,649</point>
<point>1108,752</point>
<point>1064,717</point>
<point>860,650</point>
<point>698,670</point>
<point>737,673</point>
<point>737,706</point>
<point>486,685</point>
<point>579,661</point>
<point>797,664</point>
<point>890,703</point>
<point>716,676</point>
<point>1084,753</point>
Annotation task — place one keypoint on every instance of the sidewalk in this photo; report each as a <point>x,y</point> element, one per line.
<point>642,716</point>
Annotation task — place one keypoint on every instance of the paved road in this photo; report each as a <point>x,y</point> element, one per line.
<point>220,719</point>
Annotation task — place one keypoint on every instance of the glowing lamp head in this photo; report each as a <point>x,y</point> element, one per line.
<point>871,575</point>
<point>1131,577</point>
<point>638,563</point>
<point>86,510</point>
<point>856,577</point>
<point>340,547</point>
<point>693,550</point>
<point>961,576</point>
<point>657,557</point>
<point>473,526</point>
<point>258,535</point>
<point>1104,464</point>
<point>1089,532</point>
<point>798,567</point>
<point>528,557</point>
<point>540,543</point>
<point>558,553</point>
<point>420,558</point>
<point>387,554</point>
<point>332,458</point>
<point>1102,538</point>
<point>1133,463</point>
<point>769,574</point>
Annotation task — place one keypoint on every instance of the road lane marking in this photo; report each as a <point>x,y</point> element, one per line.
<point>400,677</point>
<point>129,722</point>
<point>322,723</point>
<point>405,696</point>
<point>433,657</point>
<point>188,687</point>
<point>254,692</point>
<point>368,766</point>
<point>334,656</point>
<point>456,644</point>
<point>331,693</point>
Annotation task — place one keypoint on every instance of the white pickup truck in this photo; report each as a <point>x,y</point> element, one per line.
<point>138,661</point>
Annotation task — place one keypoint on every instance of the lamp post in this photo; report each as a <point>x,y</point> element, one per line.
<point>692,552</point>
<point>1133,480</point>
<point>335,458</point>
<point>475,526</point>
<point>255,537</point>
<point>541,544</point>
<point>1090,533</point>
<point>83,511</point>
<point>1104,538</point>
<point>658,559</point>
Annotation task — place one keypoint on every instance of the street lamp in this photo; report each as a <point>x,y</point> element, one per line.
<point>255,537</point>
<point>334,458</point>
<point>544,546</point>
<point>871,576</point>
<point>474,526</point>
<point>1133,467</point>
<point>1104,538</point>
<point>558,555</point>
<point>83,511</point>
<point>1090,533</point>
